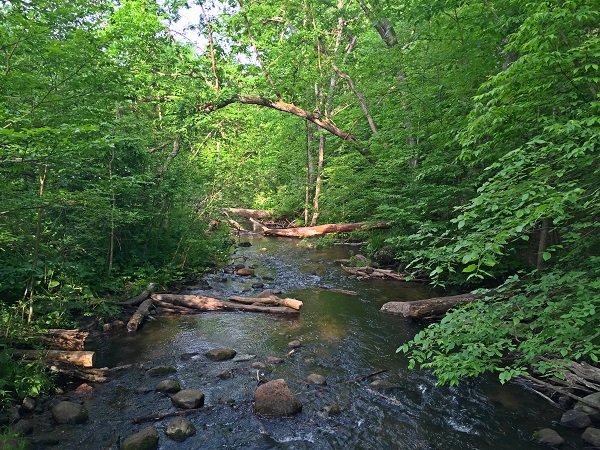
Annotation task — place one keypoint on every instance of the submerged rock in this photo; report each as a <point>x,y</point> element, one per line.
<point>274,360</point>
<point>275,399</point>
<point>575,419</point>
<point>295,344</point>
<point>161,370</point>
<point>188,399</point>
<point>69,412</point>
<point>315,378</point>
<point>169,386</point>
<point>146,439</point>
<point>549,437</point>
<point>220,354</point>
<point>179,429</point>
<point>591,436</point>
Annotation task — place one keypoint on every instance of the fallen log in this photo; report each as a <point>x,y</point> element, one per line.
<point>141,297</point>
<point>75,357</point>
<point>429,308</point>
<point>212,304</point>
<point>372,272</point>
<point>83,373</point>
<point>271,300</point>
<point>319,229</point>
<point>139,315</point>
<point>62,339</point>
<point>259,214</point>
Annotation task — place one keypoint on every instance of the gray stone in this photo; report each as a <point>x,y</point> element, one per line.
<point>146,439</point>
<point>258,365</point>
<point>243,358</point>
<point>188,399</point>
<point>225,373</point>
<point>258,285</point>
<point>549,437</point>
<point>169,386</point>
<point>69,412</point>
<point>381,384</point>
<point>315,378</point>
<point>161,370</point>
<point>275,399</point>
<point>28,404</point>
<point>575,419</point>
<point>591,436</point>
<point>295,344</point>
<point>332,410</point>
<point>179,429</point>
<point>592,410</point>
<point>23,427</point>
<point>220,354</point>
<point>274,360</point>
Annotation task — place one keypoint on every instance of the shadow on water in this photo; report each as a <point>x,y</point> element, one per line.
<point>344,337</point>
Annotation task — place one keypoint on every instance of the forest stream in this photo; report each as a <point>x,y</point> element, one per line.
<point>344,338</point>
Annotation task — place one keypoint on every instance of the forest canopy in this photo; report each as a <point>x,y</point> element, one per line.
<point>472,128</point>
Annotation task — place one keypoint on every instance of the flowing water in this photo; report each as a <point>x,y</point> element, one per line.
<point>344,337</point>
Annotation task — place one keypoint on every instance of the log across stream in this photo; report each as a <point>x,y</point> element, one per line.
<point>343,337</point>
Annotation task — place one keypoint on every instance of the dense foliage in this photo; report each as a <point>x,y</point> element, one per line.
<point>472,127</point>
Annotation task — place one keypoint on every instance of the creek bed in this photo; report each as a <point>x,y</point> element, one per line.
<point>344,337</point>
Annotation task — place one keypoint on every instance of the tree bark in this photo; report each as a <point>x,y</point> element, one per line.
<point>141,297</point>
<point>63,339</point>
<point>321,229</point>
<point>74,358</point>
<point>212,304</point>
<point>271,300</point>
<point>138,317</point>
<point>429,308</point>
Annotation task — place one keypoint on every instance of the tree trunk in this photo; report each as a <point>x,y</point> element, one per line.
<point>138,317</point>
<point>271,300</point>
<point>63,339</point>
<point>212,304</point>
<point>258,214</point>
<point>429,308</point>
<point>542,244</point>
<point>75,358</point>
<point>141,297</point>
<point>319,181</point>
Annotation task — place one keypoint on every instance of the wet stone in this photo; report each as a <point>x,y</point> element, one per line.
<point>245,272</point>
<point>575,419</point>
<point>168,386</point>
<point>179,429</point>
<point>220,354</point>
<point>28,404</point>
<point>188,399</point>
<point>315,378</point>
<point>593,412</point>
<point>223,374</point>
<point>332,410</point>
<point>146,439</point>
<point>69,412</point>
<point>160,370</point>
<point>258,365</point>
<point>591,436</point>
<point>276,399</point>
<point>274,360</point>
<point>243,358</point>
<point>23,427</point>
<point>294,344</point>
<point>188,356</point>
<point>548,437</point>
<point>257,285</point>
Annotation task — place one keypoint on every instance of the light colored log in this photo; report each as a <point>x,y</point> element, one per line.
<point>432,307</point>
<point>321,229</point>
<point>63,339</point>
<point>75,358</point>
<point>260,214</point>
<point>212,304</point>
<point>138,317</point>
<point>271,300</point>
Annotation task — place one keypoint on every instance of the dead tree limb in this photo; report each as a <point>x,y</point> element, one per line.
<point>138,317</point>
<point>431,307</point>
<point>141,297</point>
<point>319,229</point>
<point>201,303</point>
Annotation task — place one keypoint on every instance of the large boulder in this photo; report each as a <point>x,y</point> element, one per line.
<point>591,436</point>
<point>220,354</point>
<point>188,399</point>
<point>69,412</point>
<point>575,419</point>
<point>147,439</point>
<point>179,429</point>
<point>548,437</point>
<point>275,399</point>
<point>591,407</point>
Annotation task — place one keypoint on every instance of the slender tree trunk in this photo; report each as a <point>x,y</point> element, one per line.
<point>319,180</point>
<point>543,242</point>
<point>310,170</point>
<point>211,49</point>
<point>111,245</point>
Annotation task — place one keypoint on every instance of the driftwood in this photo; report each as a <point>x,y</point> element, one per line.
<point>372,272</point>
<point>271,300</point>
<point>138,317</point>
<point>141,297</point>
<point>258,214</point>
<point>432,307</point>
<point>74,358</point>
<point>63,339</point>
<point>83,373</point>
<point>318,230</point>
<point>212,304</point>
<point>160,416</point>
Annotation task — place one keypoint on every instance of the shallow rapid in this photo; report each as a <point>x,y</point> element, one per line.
<point>344,337</point>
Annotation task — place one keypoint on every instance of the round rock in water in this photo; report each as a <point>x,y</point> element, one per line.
<point>315,378</point>
<point>220,354</point>
<point>147,439</point>
<point>161,370</point>
<point>180,429</point>
<point>575,419</point>
<point>275,399</point>
<point>188,399</point>
<point>591,436</point>
<point>69,412</point>
<point>593,412</point>
<point>549,437</point>
<point>168,386</point>
<point>274,360</point>
<point>295,344</point>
